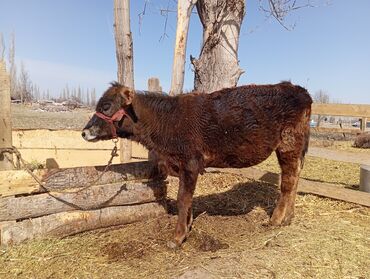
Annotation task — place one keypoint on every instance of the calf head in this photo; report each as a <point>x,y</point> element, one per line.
<point>113,117</point>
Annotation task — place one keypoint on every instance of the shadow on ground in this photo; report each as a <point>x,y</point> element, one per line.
<point>241,199</point>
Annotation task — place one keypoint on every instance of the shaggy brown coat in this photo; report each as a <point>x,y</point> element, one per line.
<point>236,127</point>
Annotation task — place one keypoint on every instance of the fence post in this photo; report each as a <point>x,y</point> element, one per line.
<point>363,124</point>
<point>6,159</point>
<point>365,178</point>
<point>153,86</point>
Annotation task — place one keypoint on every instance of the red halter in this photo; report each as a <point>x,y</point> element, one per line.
<point>115,117</point>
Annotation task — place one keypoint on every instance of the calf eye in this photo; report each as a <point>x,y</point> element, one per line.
<point>106,106</point>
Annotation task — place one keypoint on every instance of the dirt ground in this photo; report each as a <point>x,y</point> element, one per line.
<point>230,238</point>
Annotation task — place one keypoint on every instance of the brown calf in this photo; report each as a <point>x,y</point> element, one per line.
<point>236,127</point>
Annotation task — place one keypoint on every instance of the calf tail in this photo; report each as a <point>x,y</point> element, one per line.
<point>306,134</point>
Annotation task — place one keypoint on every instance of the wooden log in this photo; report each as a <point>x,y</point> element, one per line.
<point>304,186</point>
<point>83,176</point>
<point>69,223</point>
<point>17,182</point>
<point>154,85</point>
<point>5,224</point>
<point>6,159</point>
<point>125,60</point>
<point>15,208</point>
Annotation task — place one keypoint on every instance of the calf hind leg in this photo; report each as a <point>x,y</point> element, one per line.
<point>290,164</point>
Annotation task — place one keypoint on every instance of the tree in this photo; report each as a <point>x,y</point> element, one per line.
<point>12,66</point>
<point>79,94</point>
<point>184,9</point>
<point>124,55</point>
<point>321,97</point>
<point>24,86</point>
<point>87,97</point>
<point>93,97</point>
<point>217,66</point>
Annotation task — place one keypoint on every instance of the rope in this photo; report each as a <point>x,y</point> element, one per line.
<point>15,151</point>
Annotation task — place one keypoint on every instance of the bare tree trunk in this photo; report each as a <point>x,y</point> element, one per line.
<point>12,68</point>
<point>217,66</point>
<point>124,53</point>
<point>2,47</point>
<point>5,119</point>
<point>184,8</point>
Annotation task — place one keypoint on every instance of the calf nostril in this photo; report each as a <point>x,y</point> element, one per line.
<point>83,134</point>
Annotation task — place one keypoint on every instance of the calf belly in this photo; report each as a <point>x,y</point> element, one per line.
<point>237,160</point>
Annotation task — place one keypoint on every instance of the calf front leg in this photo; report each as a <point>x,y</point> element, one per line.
<point>188,179</point>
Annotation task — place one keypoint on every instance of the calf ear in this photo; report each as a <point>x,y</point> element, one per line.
<point>127,95</point>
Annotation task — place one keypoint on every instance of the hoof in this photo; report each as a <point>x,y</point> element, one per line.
<point>281,221</point>
<point>173,245</point>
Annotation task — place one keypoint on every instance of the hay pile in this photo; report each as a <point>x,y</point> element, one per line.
<point>230,238</point>
<point>362,141</point>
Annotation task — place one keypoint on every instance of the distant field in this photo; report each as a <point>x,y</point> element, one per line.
<point>25,118</point>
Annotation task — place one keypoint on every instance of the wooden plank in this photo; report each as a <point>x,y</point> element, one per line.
<point>334,192</point>
<point>15,208</point>
<point>341,110</point>
<point>304,186</point>
<point>17,182</point>
<point>69,223</point>
<point>352,131</point>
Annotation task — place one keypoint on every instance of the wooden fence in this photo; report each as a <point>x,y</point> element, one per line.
<point>348,110</point>
<point>60,202</point>
<point>74,200</point>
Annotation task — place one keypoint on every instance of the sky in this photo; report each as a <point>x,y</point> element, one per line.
<point>72,42</point>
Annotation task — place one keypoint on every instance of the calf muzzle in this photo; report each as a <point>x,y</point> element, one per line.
<point>110,120</point>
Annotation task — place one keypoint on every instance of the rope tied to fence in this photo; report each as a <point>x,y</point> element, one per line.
<point>15,151</point>
<point>25,166</point>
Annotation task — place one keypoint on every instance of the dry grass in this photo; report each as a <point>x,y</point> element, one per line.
<point>323,170</point>
<point>328,239</point>
<point>343,145</point>
<point>24,117</point>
